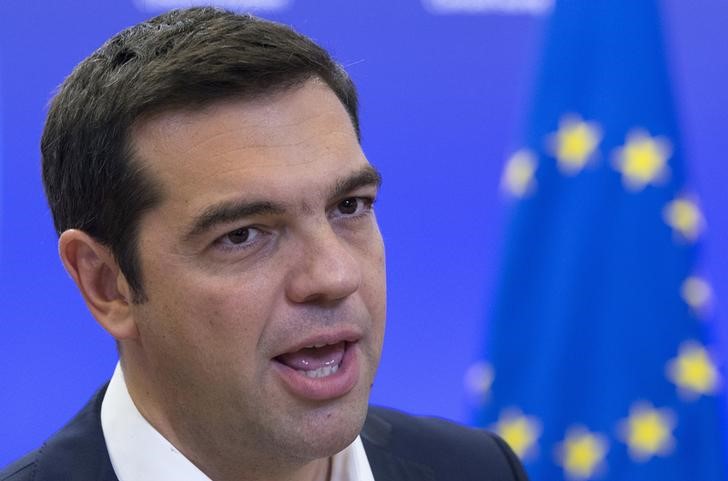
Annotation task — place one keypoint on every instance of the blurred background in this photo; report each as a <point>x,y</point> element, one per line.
<point>554,211</point>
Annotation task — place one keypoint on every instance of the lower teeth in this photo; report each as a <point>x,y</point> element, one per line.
<point>322,371</point>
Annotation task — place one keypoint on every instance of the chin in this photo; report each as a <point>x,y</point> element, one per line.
<point>330,429</point>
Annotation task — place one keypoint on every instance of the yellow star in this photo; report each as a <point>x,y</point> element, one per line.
<point>582,453</point>
<point>692,371</point>
<point>574,144</point>
<point>648,431</point>
<point>519,431</point>
<point>696,293</point>
<point>642,160</point>
<point>518,175</point>
<point>685,218</point>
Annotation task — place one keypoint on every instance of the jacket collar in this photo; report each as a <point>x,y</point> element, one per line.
<point>385,463</point>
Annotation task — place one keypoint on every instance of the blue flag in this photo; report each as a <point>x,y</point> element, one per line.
<point>598,365</point>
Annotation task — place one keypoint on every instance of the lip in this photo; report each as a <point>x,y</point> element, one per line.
<point>349,335</point>
<point>326,388</point>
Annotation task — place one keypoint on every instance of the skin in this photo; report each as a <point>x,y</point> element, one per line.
<point>228,293</point>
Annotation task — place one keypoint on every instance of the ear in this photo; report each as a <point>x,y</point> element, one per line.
<point>102,284</point>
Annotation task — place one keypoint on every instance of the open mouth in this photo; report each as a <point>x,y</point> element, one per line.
<point>317,361</point>
<point>322,370</point>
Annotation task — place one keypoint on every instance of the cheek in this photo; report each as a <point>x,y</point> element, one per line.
<point>375,286</point>
<point>209,317</point>
<point>229,313</point>
<point>375,266</point>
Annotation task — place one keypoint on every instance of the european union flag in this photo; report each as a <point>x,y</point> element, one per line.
<point>597,347</point>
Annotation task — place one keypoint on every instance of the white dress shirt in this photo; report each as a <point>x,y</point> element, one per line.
<point>139,452</point>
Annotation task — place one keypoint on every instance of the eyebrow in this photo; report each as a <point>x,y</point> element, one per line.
<point>230,211</point>
<point>367,176</point>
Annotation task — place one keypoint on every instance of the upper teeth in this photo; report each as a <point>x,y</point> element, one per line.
<point>322,371</point>
<point>315,346</point>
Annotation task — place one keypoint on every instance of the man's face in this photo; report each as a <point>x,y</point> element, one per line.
<point>264,246</point>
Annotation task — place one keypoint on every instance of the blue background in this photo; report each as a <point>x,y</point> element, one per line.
<point>443,98</point>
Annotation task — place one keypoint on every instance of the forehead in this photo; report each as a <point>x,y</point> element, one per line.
<point>274,143</point>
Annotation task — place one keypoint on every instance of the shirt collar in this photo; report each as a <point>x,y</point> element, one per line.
<point>138,452</point>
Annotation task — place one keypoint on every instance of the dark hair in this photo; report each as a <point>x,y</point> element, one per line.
<point>181,59</point>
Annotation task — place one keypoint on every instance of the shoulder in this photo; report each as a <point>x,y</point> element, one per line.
<point>21,470</point>
<point>450,450</point>
<point>77,451</point>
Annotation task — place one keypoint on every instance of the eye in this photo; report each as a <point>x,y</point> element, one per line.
<point>349,206</point>
<point>354,206</point>
<point>239,237</point>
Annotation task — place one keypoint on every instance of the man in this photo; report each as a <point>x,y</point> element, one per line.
<point>215,210</point>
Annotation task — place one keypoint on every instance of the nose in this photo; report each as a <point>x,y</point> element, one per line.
<point>325,269</point>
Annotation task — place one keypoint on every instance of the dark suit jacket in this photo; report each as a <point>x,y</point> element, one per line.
<point>399,447</point>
